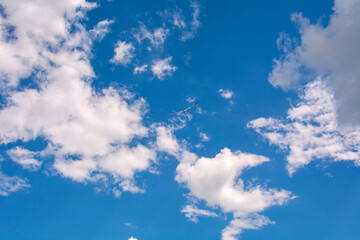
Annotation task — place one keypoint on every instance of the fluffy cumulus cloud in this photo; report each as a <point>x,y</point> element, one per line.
<point>31,31</point>
<point>216,181</point>
<point>124,52</point>
<point>310,130</point>
<point>90,135</point>
<point>330,51</point>
<point>161,68</point>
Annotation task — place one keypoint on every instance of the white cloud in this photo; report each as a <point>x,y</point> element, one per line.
<point>216,181</point>
<point>237,225</point>
<point>204,137</point>
<point>226,93</point>
<point>132,238</point>
<point>101,29</point>
<point>330,51</point>
<point>195,22</point>
<point>175,17</point>
<point>156,38</point>
<point>124,52</point>
<point>166,141</point>
<point>11,184</point>
<point>311,131</point>
<point>25,158</point>
<point>90,135</point>
<point>163,67</point>
<point>192,213</point>
<point>39,28</point>
<point>140,69</point>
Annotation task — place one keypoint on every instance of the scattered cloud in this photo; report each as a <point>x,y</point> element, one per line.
<point>11,184</point>
<point>140,69</point>
<point>163,67</point>
<point>195,22</point>
<point>204,137</point>
<point>191,99</point>
<point>330,51</point>
<point>216,181</point>
<point>101,29</point>
<point>124,52</point>
<point>25,158</point>
<point>156,38</point>
<point>192,213</point>
<point>226,93</point>
<point>310,130</point>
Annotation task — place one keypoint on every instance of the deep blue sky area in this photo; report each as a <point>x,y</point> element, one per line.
<point>233,49</point>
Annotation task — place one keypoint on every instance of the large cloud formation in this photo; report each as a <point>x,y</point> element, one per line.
<point>90,136</point>
<point>217,182</point>
<point>331,51</point>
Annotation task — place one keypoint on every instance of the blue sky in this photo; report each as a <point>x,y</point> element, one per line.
<point>89,151</point>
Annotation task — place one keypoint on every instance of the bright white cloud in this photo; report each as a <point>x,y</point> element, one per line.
<point>216,181</point>
<point>166,141</point>
<point>11,184</point>
<point>25,158</point>
<point>226,93</point>
<point>37,25</point>
<point>101,29</point>
<point>132,238</point>
<point>330,51</point>
<point>124,52</point>
<point>140,69</point>
<point>310,130</point>
<point>162,68</point>
<point>88,133</point>
<point>192,213</point>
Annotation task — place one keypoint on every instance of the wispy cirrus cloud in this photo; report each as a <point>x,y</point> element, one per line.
<point>25,158</point>
<point>140,69</point>
<point>192,213</point>
<point>11,184</point>
<point>101,29</point>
